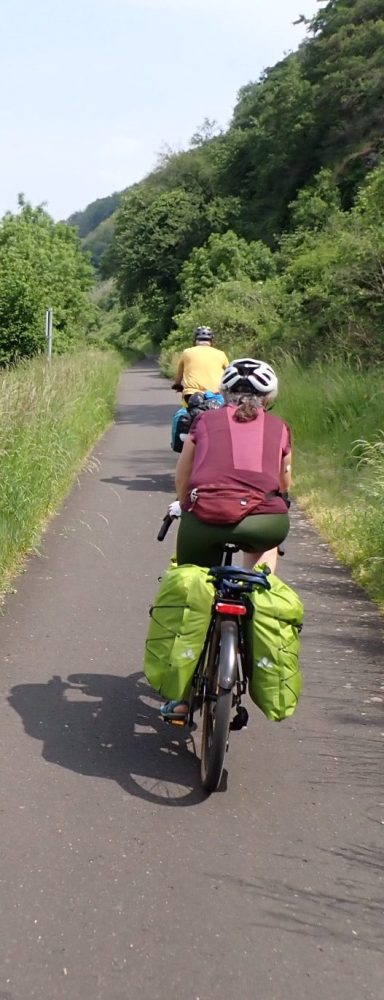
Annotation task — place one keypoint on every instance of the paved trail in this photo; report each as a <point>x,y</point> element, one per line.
<point>118,877</point>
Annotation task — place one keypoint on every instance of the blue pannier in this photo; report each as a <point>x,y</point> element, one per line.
<point>182,420</point>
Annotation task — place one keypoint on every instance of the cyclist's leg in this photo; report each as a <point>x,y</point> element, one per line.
<point>270,557</point>
<point>200,543</point>
<point>203,544</point>
<point>259,535</point>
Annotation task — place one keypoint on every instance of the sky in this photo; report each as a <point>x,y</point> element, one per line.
<point>91,91</point>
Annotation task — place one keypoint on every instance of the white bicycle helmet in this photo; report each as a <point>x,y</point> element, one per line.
<point>251,377</point>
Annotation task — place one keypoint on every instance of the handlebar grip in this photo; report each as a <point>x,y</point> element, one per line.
<point>165,527</point>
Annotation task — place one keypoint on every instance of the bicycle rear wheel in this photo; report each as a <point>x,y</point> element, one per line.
<point>217,708</point>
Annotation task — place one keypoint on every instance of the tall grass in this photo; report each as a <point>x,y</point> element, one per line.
<point>337,416</point>
<point>50,415</point>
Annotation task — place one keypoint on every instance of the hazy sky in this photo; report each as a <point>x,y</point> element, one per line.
<point>91,90</point>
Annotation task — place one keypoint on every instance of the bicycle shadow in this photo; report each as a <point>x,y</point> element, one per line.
<point>108,726</point>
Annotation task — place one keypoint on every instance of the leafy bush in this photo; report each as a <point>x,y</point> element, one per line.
<point>336,277</point>
<point>223,258</point>
<point>252,319</point>
<point>41,267</point>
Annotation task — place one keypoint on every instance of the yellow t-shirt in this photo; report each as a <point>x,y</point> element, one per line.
<point>202,369</point>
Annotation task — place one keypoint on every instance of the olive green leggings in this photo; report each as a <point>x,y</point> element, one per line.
<point>203,544</point>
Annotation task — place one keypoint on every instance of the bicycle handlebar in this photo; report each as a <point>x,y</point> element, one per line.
<point>165,527</point>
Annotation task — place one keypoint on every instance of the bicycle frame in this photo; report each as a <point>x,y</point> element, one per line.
<point>225,664</point>
<point>231,608</point>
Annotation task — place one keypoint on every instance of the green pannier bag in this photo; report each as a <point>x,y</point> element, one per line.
<point>180,618</point>
<point>275,683</point>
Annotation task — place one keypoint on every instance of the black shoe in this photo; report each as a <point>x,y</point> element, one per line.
<point>240,720</point>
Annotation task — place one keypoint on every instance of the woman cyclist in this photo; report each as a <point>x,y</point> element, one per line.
<point>230,477</point>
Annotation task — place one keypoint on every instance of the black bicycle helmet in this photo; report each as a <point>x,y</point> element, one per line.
<point>203,335</point>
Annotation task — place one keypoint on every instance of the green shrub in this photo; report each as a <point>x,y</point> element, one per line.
<point>41,267</point>
<point>225,257</point>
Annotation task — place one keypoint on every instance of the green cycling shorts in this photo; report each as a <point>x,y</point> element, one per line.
<point>203,544</point>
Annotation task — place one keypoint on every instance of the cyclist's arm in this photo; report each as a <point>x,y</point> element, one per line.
<point>225,361</point>
<point>286,472</point>
<point>180,371</point>
<point>184,469</point>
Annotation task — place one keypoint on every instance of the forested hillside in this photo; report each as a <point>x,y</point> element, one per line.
<point>95,225</point>
<point>95,213</point>
<point>272,230</point>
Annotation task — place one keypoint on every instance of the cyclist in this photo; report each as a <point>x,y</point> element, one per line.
<point>200,367</point>
<point>230,477</point>
<point>231,474</point>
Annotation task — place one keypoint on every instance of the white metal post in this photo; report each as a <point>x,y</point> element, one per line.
<point>49,331</point>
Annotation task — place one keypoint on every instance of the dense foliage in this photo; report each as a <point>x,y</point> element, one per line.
<point>263,230</point>
<point>41,267</point>
<point>98,240</point>
<point>95,214</point>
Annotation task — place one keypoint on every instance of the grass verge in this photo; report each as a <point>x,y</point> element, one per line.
<point>336,414</point>
<point>50,415</point>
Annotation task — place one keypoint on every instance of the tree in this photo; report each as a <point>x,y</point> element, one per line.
<point>205,132</point>
<point>41,266</point>
<point>301,142</point>
<point>336,276</point>
<point>224,257</point>
<point>315,203</point>
<point>271,148</point>
<point>154,234</point>
<point>343,62</point>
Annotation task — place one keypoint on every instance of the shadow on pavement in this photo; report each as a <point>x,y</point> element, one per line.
<point>163,483</point>
<point>145,414</point>
<point>109,727</point>
<point>326,916</point>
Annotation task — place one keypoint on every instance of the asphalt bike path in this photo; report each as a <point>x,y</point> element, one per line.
<point>119,877</point>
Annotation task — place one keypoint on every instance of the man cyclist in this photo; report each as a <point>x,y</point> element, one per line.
<point>200,367</point>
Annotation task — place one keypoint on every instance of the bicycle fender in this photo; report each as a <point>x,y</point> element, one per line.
<point>228,655</point>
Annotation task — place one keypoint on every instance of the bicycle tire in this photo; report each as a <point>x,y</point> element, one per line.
<point>216,715</point>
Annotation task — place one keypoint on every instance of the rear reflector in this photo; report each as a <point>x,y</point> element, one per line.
<point>230,609</point>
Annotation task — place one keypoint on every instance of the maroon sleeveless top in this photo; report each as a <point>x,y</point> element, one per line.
<point>230,454</point>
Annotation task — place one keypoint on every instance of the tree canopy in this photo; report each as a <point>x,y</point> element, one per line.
<point>41,267</point>
<point>262,201</point>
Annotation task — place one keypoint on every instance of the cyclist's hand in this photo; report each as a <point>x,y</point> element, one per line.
<point>177,386</point>
<point>174,509</point>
